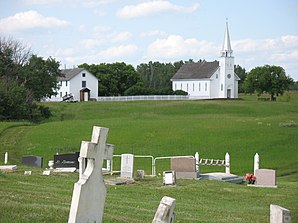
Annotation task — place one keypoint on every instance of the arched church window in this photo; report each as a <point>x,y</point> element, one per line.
<point>229,76</point>
<point>221,87</point>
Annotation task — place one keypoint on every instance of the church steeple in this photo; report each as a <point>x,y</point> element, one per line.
<point>226,47</point>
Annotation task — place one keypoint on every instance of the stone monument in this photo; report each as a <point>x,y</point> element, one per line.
<point>279,214</point>
<point>89,192</point>
<point>265,178</point>
<point>127,166</point>
<point>165,211</point>
<point>184,167</point>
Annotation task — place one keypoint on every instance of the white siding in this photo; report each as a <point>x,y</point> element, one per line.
<point>91,83</point>
<point>74,85</point>
<point>194,88</point>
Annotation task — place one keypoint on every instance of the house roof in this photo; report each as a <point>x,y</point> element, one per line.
<point>197,70</point>
<point>67,74</point>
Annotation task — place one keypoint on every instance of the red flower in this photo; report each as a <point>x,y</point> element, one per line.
<point>250,178</point>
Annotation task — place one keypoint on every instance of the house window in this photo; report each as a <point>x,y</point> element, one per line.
<point>66,93</point>
<point>205,86</point>
<point>83,75</point>
<point>66,83</point>
<point>175,86</point>
<point>83,83</point>
<point>60,94</point>
<point>187,87</point>
<point>193,86</point>
<point>221,87</point>
<point>60,83</point>
<point>199,86</point>
<point>181,86</point>
<point>216,76</point>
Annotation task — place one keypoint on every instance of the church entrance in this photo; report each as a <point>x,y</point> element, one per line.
<point>229,93</point>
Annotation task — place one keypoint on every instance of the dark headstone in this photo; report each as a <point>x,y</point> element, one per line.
<point>66,160</point>
<point>36,161</point>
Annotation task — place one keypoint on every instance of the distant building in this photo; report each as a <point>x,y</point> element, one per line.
<point>76,84</point>
<point>209,79</point>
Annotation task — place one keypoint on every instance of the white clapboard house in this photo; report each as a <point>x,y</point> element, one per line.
<point>76,84</point>
<point>207,80</point>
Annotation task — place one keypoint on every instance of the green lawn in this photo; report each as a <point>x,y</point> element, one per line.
<point>159,128</point>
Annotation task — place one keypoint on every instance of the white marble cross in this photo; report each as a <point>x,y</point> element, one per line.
<point>89,192</point>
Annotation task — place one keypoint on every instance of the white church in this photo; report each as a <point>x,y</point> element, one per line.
<point>208,80</point>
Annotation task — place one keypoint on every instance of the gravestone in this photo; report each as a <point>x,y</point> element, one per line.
<point>140,174</point>
<point>35,161</point>
<point>8,168</point>
<point>127,166</point>
<point>279,214</point>
<point>265,178</point>
<point>89,192</point>
<point>184,167</point>
<point>27,172</point>
<point>165,211</point>
<point>66,160</point>
<point>46,172</point>
<point>169,178</point>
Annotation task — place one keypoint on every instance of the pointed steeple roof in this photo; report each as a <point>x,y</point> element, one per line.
<point>226,47</point>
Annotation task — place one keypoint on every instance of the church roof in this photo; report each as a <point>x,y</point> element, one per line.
<point>67,74</point>
<point>199,70</point>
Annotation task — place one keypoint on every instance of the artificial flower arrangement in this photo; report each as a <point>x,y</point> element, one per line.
<point>250,178</point>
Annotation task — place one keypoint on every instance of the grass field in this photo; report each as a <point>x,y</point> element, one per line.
<point>159,128</point>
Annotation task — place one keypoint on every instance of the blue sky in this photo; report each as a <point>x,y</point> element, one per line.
<point>139,31</point>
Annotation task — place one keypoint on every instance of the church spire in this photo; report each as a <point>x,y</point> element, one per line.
<point>226,47</point>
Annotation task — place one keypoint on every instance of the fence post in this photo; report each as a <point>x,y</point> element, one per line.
<point>256,162</point>
<point>197,157</point>
<point>227,158</point>
<point>6,158</point>
<point>153,168</point>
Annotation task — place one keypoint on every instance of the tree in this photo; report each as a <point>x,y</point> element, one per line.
<point>267,79</point>
<point>114,79</point>
<point>241,73</point>
<point>40,77</point>
<point>24,78</point>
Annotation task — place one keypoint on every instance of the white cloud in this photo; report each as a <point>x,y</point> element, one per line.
<point>120,52</point>
<point>175,46</point>
<point>251,45</point>
<point>286,56</point>
<point>153,7</point>
<point>104,35</point>
<point>29,20</point>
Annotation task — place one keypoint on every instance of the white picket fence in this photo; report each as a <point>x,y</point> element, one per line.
<point>145,98</point>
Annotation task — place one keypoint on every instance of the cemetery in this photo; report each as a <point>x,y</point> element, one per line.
<point>147,186</point>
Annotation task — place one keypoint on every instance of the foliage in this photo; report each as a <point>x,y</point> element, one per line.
<point>267,79</point>
<point>180,92</point>
<point>241,73</point>
<point>157,76</point>
<point>114,79</point>
<point>294,86</point>
<point>24,78</point>
<point>40,77</point>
